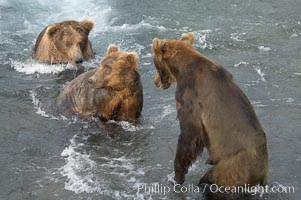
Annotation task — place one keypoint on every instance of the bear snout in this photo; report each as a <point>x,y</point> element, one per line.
<point>95,82</point>
<point>79,61</point>
<point>158,83</point>
<point>91,81</point>
<point>78,57</point>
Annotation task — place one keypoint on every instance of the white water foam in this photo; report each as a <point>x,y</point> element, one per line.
<point>32,67</point>
<point>126,47</point>
<point>202,39</point>
<point>287,100</point>
<point>294,35</point>
<point>290,100</point>
<point>241,63</point>
<point>171,178</point>
<point>141,25</point>
<point>260,73</point>
<point>40,111</point>
<point>78,170</point>
<point>128,126</point>
<point>84,175</point>
<point>37,106</point>
<point>167,110</point>
<point>62,10</point>
<point>257,104</point>
<point>256,68</point>
<point>263,48</point>
<point>237,36</point>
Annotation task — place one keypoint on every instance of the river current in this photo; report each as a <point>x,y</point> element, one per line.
<point>44,156</point>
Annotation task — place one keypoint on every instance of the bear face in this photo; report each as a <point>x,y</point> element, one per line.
<point>65,42</point>
<point>162,51</point>
<point>116,70</point>
<point>112,92</point>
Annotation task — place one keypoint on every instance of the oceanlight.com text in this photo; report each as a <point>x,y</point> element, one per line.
<point>160,189</point>
<point>253,190</point>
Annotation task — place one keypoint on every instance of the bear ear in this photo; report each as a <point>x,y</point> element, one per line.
<point>188,38</point>
<point>112,48</point>
<point>159,46</point>
<point>157,43</point>
<point>162,47</point>
<point>51,30</point>
<point>87,25</point>
<point>132,57</point>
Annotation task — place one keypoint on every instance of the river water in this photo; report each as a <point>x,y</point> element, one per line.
<point>43,156</point>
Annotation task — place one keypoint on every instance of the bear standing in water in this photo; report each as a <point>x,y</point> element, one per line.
<point>214,113</point>
<point>65,42</point>
<point>111,92</point>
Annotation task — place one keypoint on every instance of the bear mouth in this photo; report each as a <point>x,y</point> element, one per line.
<point>73,63</point>
<point>165,86</point>
<point>79,62</point>
<point>162,86</point>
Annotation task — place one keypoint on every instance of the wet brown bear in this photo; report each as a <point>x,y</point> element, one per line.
<point>65,42</point>
<point>112,92</point>
<point>213,113</point>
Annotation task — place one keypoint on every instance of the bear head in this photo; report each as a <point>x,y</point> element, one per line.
<point>117,70</point>
<point>70,39</point>
<point>163,51</point>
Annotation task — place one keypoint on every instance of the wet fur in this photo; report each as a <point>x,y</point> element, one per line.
<point>213,113</point>
<point>46,50</point>
<point>117,95</point>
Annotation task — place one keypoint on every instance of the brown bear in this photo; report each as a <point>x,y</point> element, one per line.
<point>65,42</point>
<point>214,113</point>
<point>111,92</point>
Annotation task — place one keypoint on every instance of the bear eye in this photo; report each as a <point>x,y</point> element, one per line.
<point>161,72</point>
<point>68,44</point>
<point>82,44</point>
<point>107,69</point>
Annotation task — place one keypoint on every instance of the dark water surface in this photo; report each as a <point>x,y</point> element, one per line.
<point>50,157</point>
